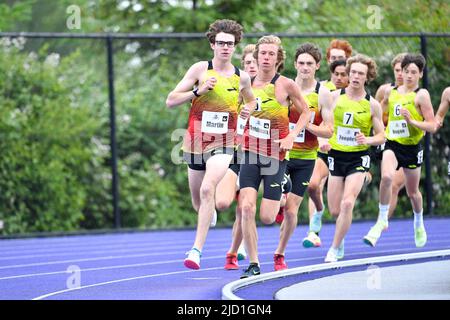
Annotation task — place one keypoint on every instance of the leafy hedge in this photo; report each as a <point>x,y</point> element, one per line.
<point>44,143</point>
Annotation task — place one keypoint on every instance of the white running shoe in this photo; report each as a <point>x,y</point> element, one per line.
<point>312,240</point>
<point>193,259</point>
<point>331,255</point>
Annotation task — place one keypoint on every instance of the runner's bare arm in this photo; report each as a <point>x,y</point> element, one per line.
<point>423,100</point>
<point>443,108</point>
<point>247,95</point>
<point>380,92</point>
<point>325,129</point>
<point>378,127</point>
<point>183,91</point>
<point>385,104</point>
<point>300,104</point>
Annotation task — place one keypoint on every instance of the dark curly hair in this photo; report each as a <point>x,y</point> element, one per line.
<point>417,59</point>
<point>226,26</point>
<point>310,49</point>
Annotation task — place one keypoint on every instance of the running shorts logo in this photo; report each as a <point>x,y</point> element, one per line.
<point>274,185</point>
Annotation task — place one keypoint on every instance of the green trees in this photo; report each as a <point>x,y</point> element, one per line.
<point>44,144</point>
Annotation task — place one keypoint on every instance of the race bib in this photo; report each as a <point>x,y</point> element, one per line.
<point>259,128</point>
<point>301,136</point>
<point>398,129</point>
<point>420,157</point>
<point>365,161</point>
<point>347,136</point>
<point>215,122</point>
<point>331,163</point>
<point>241,126</point>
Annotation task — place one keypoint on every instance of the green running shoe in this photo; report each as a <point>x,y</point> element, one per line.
<point>420,236</point>
<point>374,233</point>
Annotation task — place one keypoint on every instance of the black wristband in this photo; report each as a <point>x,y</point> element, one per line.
<point>196,92</point>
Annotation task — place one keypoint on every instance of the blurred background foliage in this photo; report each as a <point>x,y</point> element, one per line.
<point>54,117</point>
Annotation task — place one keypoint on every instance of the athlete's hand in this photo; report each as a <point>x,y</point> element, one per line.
<point>361,138</point>
<point>439,122</point>
<point>209,84</point>
<point>286,143</point>
<point>325,147</point>
<point>405,113</point>
<point>245,112</point>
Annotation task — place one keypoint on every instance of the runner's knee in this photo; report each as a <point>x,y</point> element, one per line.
<point>267,218</point>
<point>207,190</point>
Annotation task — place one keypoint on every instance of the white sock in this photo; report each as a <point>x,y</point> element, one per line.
<point>418,219</point>
<point>384,211</point>
<point>319,213</point>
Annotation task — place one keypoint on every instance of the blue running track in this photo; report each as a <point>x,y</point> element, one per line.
<point>149,265</point>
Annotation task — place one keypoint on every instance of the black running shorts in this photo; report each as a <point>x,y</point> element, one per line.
<point>409,157</point>
<point>323,157</point>
<point>300,172</point>
<point>343,164</point>
<point>197,161</point>
<point>255,168</point>
<point>235,163</point>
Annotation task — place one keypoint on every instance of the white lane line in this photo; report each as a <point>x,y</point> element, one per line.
<point>180,251</point>
<point>45,248</point>
<point>268,244</point>
<point>60,245</point>
<point>188,271</point>
<point>178,261</point>
<point>182,246</point>
<point>96,241</point>
<point>103,251</point>
<point>120,280</point>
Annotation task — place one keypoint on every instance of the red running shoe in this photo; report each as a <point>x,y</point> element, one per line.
<point>279,263</point>
<point>231,262</point>
<point>280,216</point>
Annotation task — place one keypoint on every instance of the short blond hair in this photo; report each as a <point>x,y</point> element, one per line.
<point>250,48</point>
<point>398,59</point>
<point>369,62</point>
<point>281,54</point>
